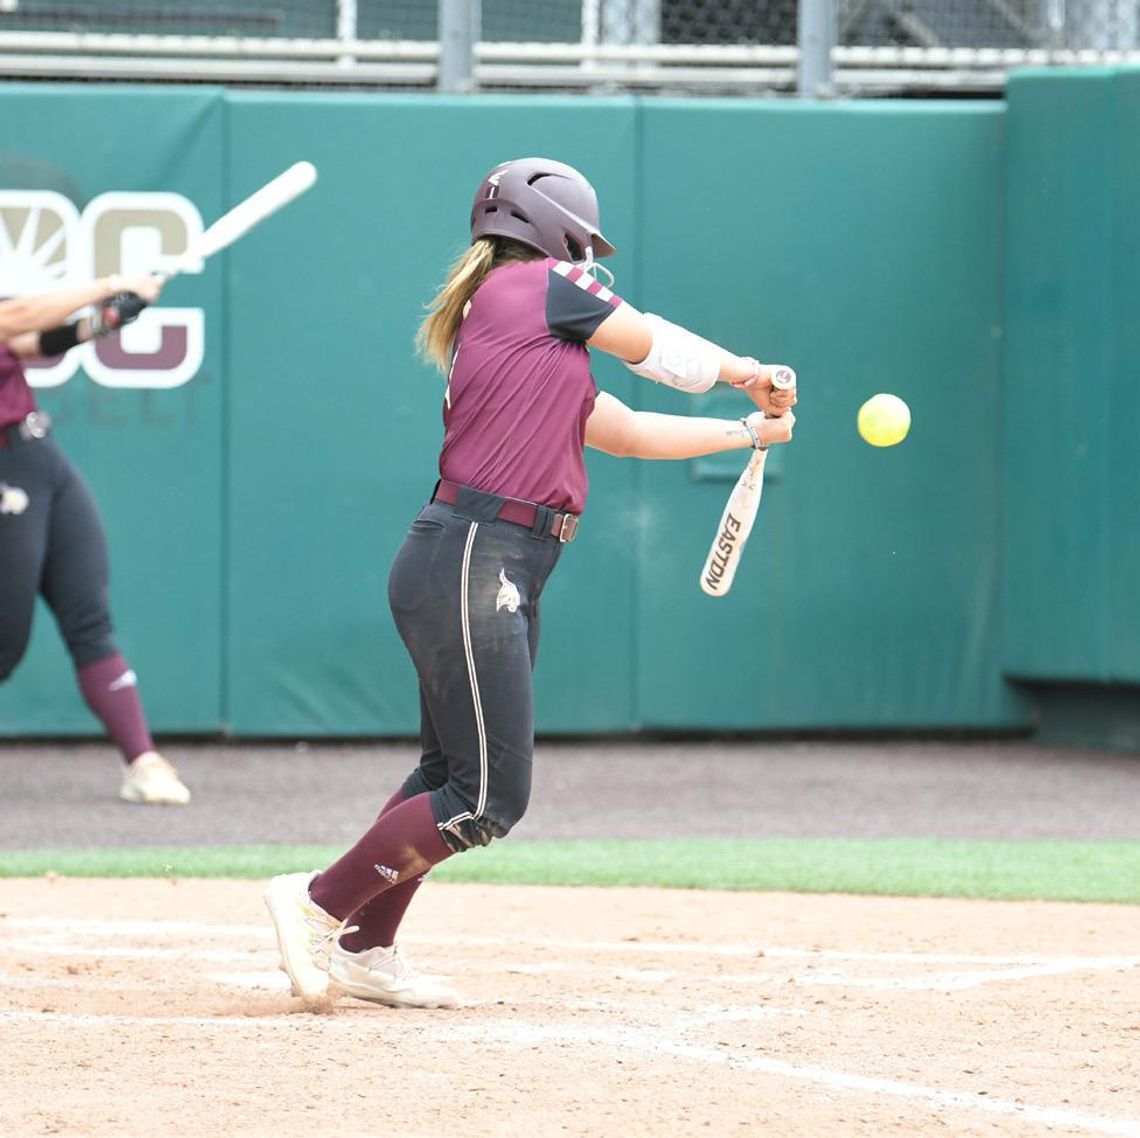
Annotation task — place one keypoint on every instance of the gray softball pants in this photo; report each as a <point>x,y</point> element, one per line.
<point>464,591</point>
<point>51,543</point>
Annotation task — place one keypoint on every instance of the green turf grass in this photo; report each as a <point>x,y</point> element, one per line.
<point>1059,871</point>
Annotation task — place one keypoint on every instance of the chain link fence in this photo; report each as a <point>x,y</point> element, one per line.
<point>743,47</point>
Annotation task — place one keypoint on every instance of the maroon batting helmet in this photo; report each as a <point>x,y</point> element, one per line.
<point>542,203</point>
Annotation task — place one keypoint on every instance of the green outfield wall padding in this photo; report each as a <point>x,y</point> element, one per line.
<point>873,624</point>
<point>973,257</point>
<point>1071,400</point>
<point>1124,491</point>
<point>861,243</point>
<point>335,427</point>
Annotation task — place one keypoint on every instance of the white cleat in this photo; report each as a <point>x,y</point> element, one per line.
<point>305,932</point>
<point>152,781</point>
<point>383,976</point>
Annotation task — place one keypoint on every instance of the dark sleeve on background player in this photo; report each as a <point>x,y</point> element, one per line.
<point>576,303</point>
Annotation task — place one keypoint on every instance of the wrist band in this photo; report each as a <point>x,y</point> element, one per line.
<point>754,435</point>
<point>56,341</point>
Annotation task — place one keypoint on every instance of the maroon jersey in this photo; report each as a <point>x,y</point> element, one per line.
<point>520,389</point>
<point>16,400</point>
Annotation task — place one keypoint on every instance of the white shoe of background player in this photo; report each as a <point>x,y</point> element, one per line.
<point>305,932</point>
<point>383,976</point>
<point>151,780</point>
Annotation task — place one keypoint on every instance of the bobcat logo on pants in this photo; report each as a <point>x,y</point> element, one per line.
<point>13,500</point>
<point>508,597</point>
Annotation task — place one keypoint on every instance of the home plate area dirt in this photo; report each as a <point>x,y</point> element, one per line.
<point>156,1007</point>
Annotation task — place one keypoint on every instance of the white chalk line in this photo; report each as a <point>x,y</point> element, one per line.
<point>648,1043</point>
<point>940,982</point>
<point>65,938</point>
<point>251,977</point>
<point>59,937</point>
<point>268,980</point>
<point>955,982</point>
<point>92,1020</point>
<point>37,947</point>
<point>67,928</point>
<point>116,928</point>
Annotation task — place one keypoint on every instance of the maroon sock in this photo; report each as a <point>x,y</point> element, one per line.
<point>110,689</point>
<point>377,921</point>
<point>401,846</point>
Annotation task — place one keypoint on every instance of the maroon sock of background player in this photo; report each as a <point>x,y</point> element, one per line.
<point>403,844</point>
<point>110,689</point>
<point>377,922</point>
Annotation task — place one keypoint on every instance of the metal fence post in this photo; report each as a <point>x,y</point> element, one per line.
<point>631,21</point>
<point>459,29</point>
<point>1054,25</point>
<point>816,27</point>
<point>346,29</point>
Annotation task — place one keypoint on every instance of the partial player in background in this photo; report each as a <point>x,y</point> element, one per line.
<point>511,330</point>
<point>51,538</point>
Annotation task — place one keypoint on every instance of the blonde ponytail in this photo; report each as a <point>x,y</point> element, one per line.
<point>436,335</point>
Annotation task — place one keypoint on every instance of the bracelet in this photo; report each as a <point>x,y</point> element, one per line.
<point>754,435</point>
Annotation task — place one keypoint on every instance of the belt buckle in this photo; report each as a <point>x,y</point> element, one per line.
<point>569,528</point>
<point>35,425</point>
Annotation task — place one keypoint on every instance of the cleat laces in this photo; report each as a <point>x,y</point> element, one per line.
<point>322,935</point>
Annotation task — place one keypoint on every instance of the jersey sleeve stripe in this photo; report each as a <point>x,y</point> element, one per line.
<point>577,275</point>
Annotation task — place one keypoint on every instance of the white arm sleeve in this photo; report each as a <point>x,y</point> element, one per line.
<point>679,358</point>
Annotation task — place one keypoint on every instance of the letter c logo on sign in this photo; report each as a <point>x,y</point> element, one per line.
<point>45,242</point>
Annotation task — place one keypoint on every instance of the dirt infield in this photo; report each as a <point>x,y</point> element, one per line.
<point>144,1007</point>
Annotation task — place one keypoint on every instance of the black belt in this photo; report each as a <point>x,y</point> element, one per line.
<point>562,526</point>
<point>34,425</point>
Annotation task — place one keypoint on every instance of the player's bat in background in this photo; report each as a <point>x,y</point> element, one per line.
<point>242,218</point>
<point>739,514</point>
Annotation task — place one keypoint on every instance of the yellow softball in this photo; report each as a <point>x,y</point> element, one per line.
<point>883,420</point>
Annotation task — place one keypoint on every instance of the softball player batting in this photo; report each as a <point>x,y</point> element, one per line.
<point>511,329</point>
<point>51,538</point>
